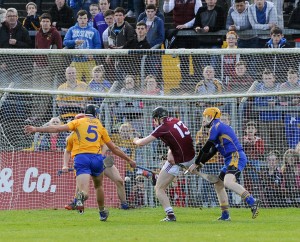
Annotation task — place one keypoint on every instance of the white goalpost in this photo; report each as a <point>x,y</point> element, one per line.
<point>257,90</point>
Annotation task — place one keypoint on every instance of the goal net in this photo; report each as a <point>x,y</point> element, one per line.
<point>256,90</point>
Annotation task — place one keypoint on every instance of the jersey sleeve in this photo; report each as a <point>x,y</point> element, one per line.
<point>158,132</point>
<point>105,137</point>
<point>73,124</point>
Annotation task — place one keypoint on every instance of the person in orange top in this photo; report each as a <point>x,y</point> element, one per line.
<point>88,160</point>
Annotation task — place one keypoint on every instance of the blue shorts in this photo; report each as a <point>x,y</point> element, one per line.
<point>236,159</point>
<point>91,164</point>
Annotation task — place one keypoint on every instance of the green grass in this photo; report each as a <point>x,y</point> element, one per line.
<point>143,225</point>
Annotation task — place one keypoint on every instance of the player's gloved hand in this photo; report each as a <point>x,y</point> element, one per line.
<point>132,163</point>
<point>65,169</point>
<point>194,168</point>
<point>200,166</point>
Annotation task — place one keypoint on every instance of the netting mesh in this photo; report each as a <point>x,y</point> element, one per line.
<point>268,126</point>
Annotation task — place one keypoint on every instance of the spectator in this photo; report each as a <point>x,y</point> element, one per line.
<point>278,4</point>
<point>14,36</point>
<point>271,125</point>
<point>2,16</point>
<point>38,5</point>
<point>129,87</point>
<point>151,86</point>
<point>292,83</point>
<point>262,16</point>
<point>109,20</point>
<point>291,118</point>
<point>136,197</point>
<point>228,61</point>
<point>135,8</point>
<point>277,39</point>
<point>184,12</point>
<point>183,17</point>
<point>119,34</point>
<point>43,68</point>
<point>99,21</point>
<point>77,5</point>
<point>47,37</point>
<point>240,80</point>
<point>82,36</point>
<point>209,18</point>
<point>94,10</point>
<point>278,63</point>
<point>115,3</point>
<point>158,13</point>
<point>52,141</point>
<point>294,20</point>
<point>254,149</point>
<point>12,33</point>
<point>32,21</point>
<point>69,106</point>
<point>155,37</point>
<point>98,83</point>
<point>138,42</point>
<point>291,176</point>
<point>210,85</point>
<point>237,20</point>
<point>272,181</point>
<point>155,26</point>
<point>62,15</point>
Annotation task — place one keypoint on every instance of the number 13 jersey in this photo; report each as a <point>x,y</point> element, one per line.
<point>177,137</point>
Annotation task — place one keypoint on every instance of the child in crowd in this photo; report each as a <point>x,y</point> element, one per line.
<point>94,10</point>
<point>277,39</point>
<point>32,21</point>
<point>229,61</point>
<point>254,149</point>
<point>272,181</point>
<point>291,176</point>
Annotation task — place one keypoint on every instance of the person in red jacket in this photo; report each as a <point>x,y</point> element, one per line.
<point>254,148</point>
<point>47,37</point>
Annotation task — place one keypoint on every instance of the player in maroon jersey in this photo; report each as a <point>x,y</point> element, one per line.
<point>181,151</point>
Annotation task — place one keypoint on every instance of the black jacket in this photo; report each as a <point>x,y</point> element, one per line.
<point>63,18</point>
<point>19,33</point>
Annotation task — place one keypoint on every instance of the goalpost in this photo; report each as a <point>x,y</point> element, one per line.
<point>240,82</point>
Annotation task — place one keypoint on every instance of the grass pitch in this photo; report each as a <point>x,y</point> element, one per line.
<point>143,225</point>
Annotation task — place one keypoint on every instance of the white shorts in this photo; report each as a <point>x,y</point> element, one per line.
<point>174,169</point>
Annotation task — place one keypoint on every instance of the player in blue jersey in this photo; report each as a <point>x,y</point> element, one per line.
<point>223,139</point>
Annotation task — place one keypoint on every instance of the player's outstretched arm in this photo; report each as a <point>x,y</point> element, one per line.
<point>117,151</point>
<point>143,141</point>
<point>46,129</point>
